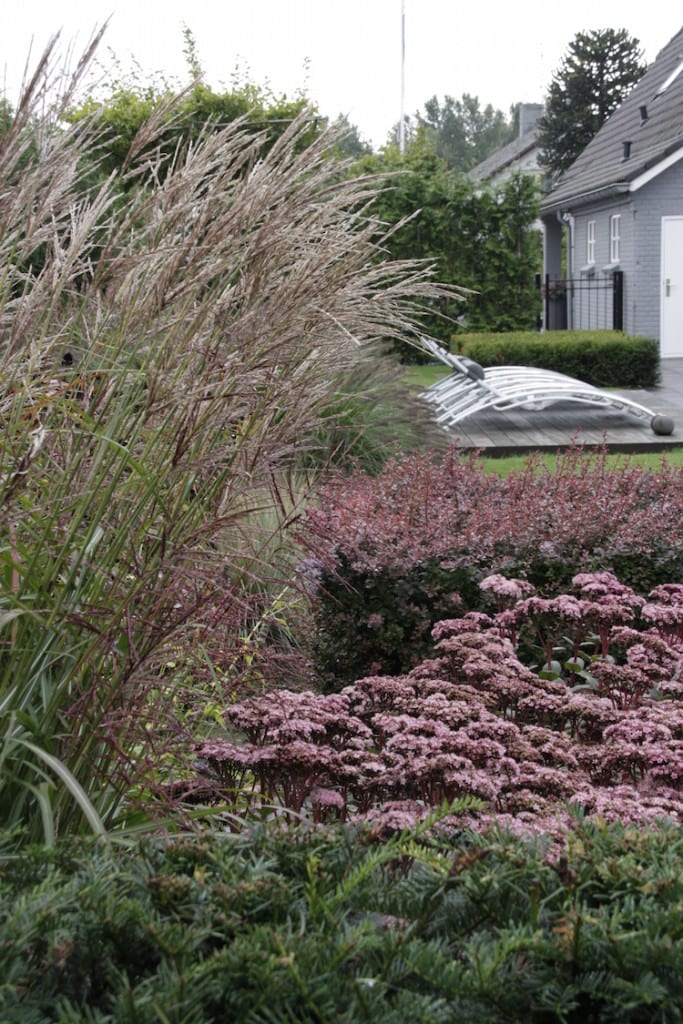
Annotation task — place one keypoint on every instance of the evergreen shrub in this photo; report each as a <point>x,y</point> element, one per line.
<point>326,925</point>
<point>602,358</point>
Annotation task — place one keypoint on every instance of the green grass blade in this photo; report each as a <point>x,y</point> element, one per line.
<point>73,785</point>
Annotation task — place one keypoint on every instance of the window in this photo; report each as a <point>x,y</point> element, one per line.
<point>672,78</point>
<point>590,242</point>
<point>614,238</point>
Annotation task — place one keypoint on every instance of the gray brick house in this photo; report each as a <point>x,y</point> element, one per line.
<point>617,215</point>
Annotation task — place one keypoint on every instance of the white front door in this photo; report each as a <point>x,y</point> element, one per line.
<point>671,341</point>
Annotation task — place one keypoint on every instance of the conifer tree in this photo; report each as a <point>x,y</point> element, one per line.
<point>598,70</point>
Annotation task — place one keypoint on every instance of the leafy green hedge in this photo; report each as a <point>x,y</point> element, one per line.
<point>327,926</point>
<point>484,240</point>
<point>602,358</point>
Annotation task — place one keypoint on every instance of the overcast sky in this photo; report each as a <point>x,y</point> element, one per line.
<point>345,54</point>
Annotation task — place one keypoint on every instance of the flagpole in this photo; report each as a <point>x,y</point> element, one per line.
<point>401,123</point>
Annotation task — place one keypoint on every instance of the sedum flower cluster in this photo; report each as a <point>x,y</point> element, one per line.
<point>595,729</point>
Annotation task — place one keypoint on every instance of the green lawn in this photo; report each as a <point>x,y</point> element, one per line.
<point>423,376</point>
<point>506,464</point>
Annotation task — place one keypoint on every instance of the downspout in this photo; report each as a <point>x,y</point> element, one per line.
<point>568,219</point>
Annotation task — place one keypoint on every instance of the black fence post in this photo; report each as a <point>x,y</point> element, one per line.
<point>618,300</point>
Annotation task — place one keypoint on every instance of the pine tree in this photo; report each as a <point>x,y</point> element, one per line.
<point>598,70</point>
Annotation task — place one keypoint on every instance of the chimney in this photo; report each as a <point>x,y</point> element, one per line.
<point>627,150</point>
<point>529,114</point>
<point>643,114</point>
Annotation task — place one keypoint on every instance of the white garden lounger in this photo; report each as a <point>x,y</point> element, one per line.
<point>471,388</point>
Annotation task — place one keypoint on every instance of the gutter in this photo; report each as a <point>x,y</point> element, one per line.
<point>583,198</point>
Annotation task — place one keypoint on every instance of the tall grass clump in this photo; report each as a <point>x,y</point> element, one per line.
<point>173,340</point>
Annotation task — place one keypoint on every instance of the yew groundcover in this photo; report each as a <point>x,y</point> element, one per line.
<point>325,925</point>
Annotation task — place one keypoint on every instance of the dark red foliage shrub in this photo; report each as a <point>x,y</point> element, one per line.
<point>397,552</point>
<point>600,734</point>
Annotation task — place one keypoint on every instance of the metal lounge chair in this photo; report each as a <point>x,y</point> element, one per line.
<point>470,389</point>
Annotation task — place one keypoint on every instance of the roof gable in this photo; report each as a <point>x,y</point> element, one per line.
<point>505,157</point>
<point>643,132</point>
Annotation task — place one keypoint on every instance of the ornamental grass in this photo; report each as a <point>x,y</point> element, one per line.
<point>174,339</point>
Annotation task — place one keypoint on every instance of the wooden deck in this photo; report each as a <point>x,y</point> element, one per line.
<point>563,424</point>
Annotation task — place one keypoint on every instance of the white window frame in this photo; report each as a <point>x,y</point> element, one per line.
<point>615,238</point>
<point>672,78</point>
<point>590,242</point>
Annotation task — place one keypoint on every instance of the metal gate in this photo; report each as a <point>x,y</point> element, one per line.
<point>591,302</point>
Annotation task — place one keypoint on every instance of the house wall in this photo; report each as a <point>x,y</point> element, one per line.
<point>527,163</point>
<point>661,197</point>
<point>592,304</point>
<point>640,255</point>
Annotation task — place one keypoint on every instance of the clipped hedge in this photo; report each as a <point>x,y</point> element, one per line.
<point>602,358</point>
<point>327,926</point>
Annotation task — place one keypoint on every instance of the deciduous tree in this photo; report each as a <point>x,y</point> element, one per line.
<point>461,132</point>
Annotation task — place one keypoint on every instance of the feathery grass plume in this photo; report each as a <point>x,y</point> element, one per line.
<point>168,352</point>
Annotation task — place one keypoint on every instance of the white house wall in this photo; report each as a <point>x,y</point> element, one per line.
<point>662,197</point>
